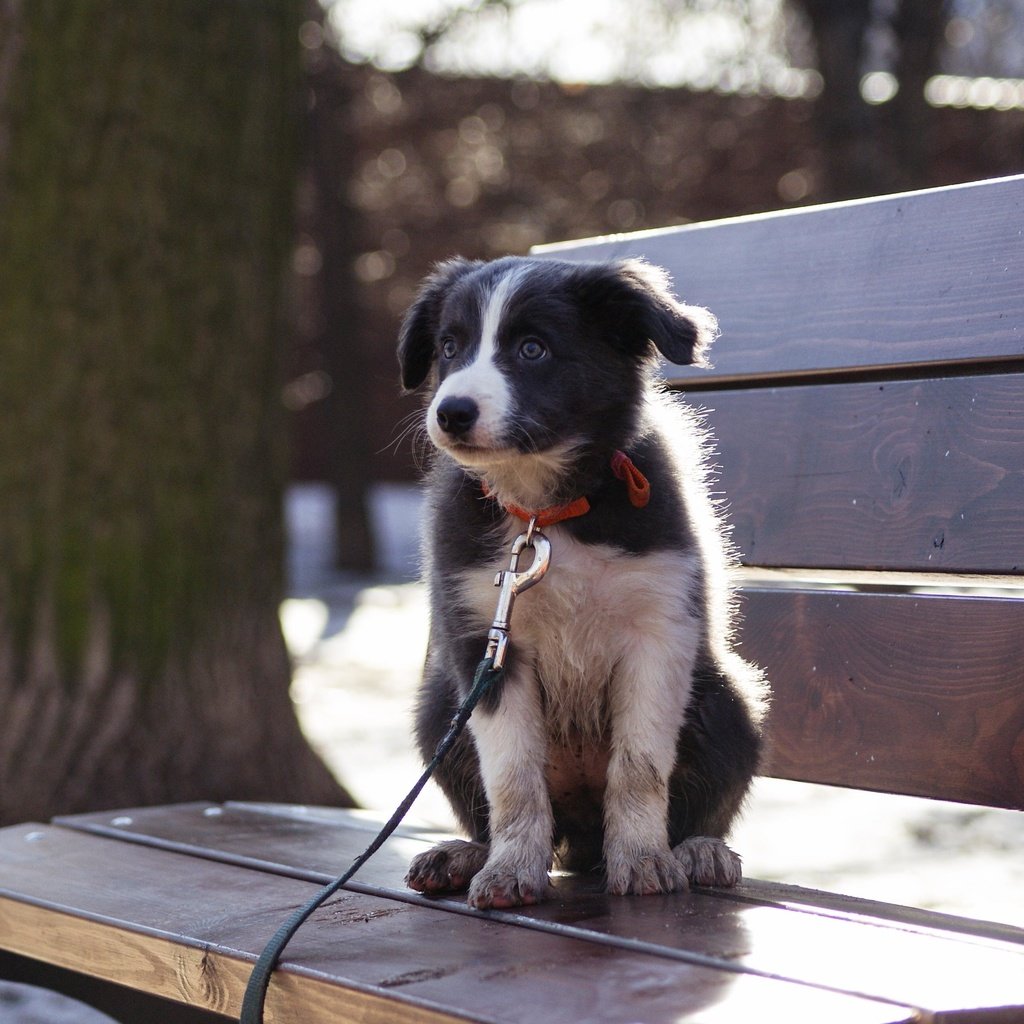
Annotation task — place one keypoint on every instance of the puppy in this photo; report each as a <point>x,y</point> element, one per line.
<point>624,732</point>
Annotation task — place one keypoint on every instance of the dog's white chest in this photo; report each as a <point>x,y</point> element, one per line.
<point>596,608</point>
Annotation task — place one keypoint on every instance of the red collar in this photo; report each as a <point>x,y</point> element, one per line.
<point>637,485</point>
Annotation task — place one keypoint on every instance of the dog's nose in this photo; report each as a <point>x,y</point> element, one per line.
<point>456,415</point>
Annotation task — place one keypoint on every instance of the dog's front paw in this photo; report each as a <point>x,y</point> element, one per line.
<point>448,867</point>
<point>644,873</point>
<point>502,885</point>
<point>708,861</point>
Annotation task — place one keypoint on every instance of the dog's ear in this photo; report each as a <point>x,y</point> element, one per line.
<point>636,300</point>
<point>681,333</point>
<point>418,333</point>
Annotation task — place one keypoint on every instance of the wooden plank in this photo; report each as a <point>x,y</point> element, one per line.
<point>821,901</point>
<point>165,824</point>
<point>114,1002</point>
<point>188,972</point>
<point>922,475</point>
<point>904,693</point>
<point>188,929</point>
<point>920,278</point>
<point>895,959</point>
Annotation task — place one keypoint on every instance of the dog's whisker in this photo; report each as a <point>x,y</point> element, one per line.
<point>408,425</point>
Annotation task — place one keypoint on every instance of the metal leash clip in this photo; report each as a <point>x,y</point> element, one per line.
<point>513,582</point>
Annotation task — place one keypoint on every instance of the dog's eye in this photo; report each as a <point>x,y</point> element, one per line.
<point>532,348</point>
<point>449,348</point>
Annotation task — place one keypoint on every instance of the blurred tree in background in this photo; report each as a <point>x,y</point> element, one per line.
<point>872,58</point>
<point>147,158</point>
<point>330,314</point>
<point>483,127</point>
<point>875,142</point>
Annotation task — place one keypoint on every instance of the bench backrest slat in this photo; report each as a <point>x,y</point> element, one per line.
<point>911,475</point>
<point>868,404</point>
<point>894,691</point>
<point>928,278</point>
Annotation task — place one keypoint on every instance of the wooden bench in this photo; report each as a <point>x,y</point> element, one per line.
<point>868,399</point>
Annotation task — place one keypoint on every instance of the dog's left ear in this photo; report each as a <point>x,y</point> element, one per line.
<point>639,304</point>
<point>418,333</point>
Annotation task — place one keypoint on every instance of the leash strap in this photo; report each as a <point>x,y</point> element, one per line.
<point>256,990</point>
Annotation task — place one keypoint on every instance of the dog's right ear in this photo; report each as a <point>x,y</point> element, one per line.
<point>418,333</point>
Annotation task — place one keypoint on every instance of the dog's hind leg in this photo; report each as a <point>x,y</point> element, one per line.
<point>459,774</point>
<point>717,754</point>
<point>708,861</point>
<point>448,867</point>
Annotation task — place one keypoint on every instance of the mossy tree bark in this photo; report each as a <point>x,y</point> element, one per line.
<point>146,193</point>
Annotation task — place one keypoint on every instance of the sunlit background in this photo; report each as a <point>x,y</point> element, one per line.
<point>735,45</point>
<point>155,382</point>
<point>486,128</point>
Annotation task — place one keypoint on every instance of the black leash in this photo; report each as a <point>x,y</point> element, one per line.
<point>511,583</point>
<point>256,991</point>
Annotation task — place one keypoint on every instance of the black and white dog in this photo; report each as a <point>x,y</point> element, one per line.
<point>625,731</point>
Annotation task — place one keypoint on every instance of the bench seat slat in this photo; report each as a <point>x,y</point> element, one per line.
<point>913,279</point>
<point>891,959</point>
<point>916,475</point>
<point>105,908</point>
<point>900,692</point>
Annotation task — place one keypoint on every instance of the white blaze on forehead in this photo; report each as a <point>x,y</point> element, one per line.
<point>493,310</point>
<point>482,379</point>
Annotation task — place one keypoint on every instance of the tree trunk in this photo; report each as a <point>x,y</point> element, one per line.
<point>918,27</point>
<point>845,125</point>
<point>870,150</point>
<point>146,184</point>
<point>343,341</point>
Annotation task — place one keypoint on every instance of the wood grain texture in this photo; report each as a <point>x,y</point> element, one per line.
<point>903,693</point>
<point>180,970</point>
<point>921,475</point>
<point>890,956</point>
<point>912,279</point>
<point>116,1002</point>
<point>188,928</point>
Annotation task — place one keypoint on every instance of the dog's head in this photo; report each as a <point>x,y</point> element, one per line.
<point>533,362</point>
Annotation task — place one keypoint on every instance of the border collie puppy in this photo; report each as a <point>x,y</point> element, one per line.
<point>624,732</point>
